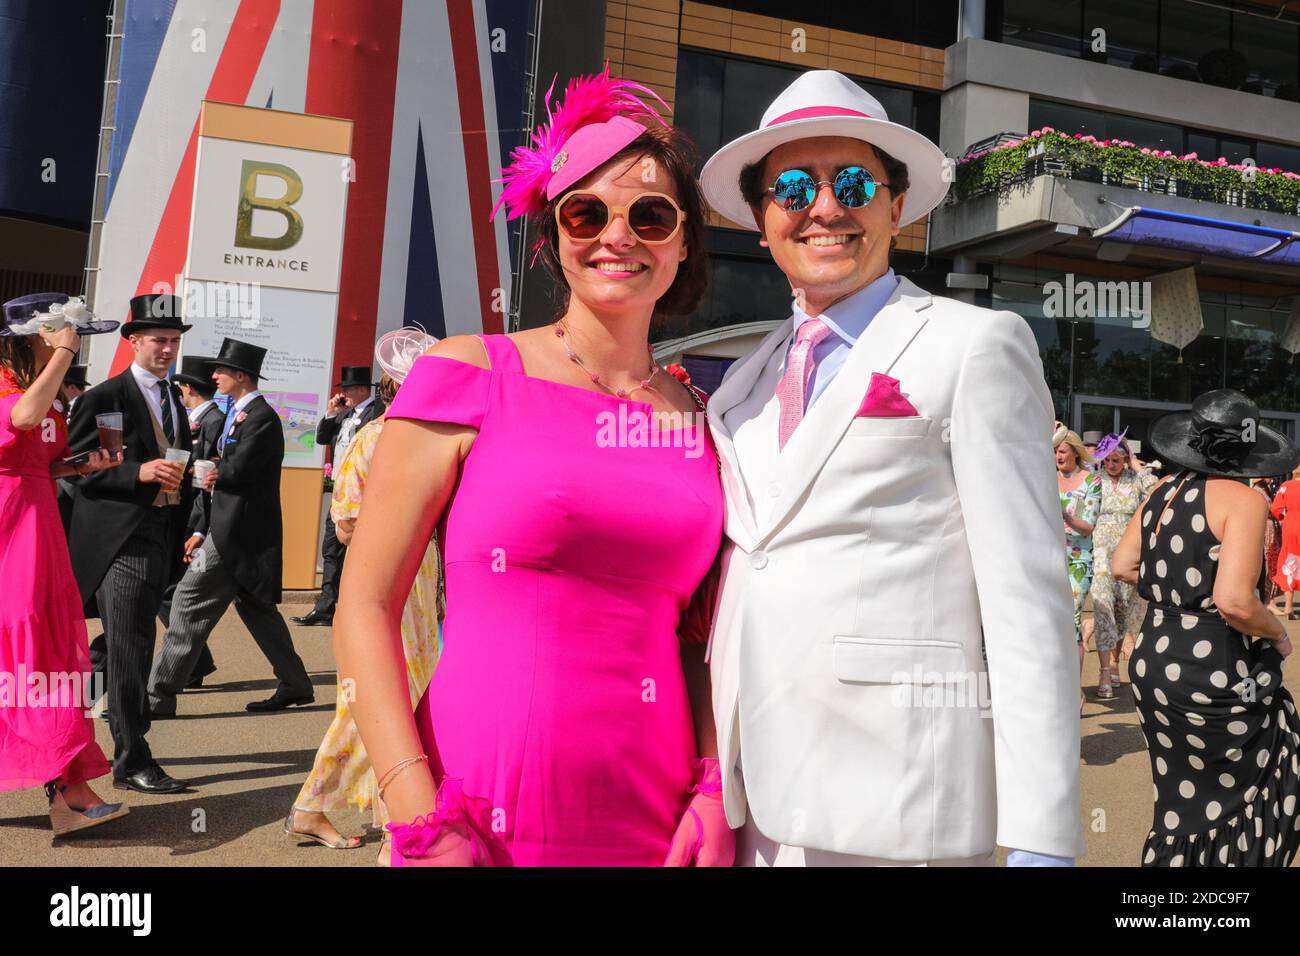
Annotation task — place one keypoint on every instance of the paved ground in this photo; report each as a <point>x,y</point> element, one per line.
<point>246,768</point>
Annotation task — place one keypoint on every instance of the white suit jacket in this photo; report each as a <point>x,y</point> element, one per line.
<point>869,568</point>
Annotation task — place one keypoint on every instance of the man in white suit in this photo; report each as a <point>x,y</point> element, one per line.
<point>894,676</point>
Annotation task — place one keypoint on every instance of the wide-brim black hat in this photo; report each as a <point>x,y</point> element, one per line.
<point>76,375</point>
<point>354,375</point>
<point>1222,436</point>
<point>154,311</point>
<point>48,311</point>
<point>196,371</point>
<point>239,355</point>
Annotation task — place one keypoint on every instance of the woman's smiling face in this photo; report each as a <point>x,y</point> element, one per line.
<point>617,272</point>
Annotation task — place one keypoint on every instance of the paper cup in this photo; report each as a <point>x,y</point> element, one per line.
<point>202,468</point>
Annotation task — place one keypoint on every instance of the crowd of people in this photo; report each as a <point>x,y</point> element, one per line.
<point>550,671</point>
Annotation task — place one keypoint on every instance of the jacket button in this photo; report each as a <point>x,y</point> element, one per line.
<point>758,560</point>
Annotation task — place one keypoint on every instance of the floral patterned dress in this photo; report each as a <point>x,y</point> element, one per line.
<point>341,774</point>
<point>1084,504</point>
<point>1116,607</point>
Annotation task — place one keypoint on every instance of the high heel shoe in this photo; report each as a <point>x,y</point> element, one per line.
<point>65,819</point>
<point>343,843</point>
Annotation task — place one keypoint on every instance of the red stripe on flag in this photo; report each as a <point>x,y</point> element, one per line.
<point>231,80</point>
<point>469,92</point>
<point>352,73</point>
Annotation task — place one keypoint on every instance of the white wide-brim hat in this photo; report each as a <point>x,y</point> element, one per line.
<point>827,103</point>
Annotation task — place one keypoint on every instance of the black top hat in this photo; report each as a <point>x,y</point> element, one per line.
<point>76,375</point>
<point>196,371</point>
<point>25,315</point>
<point>155,312</point>
<point>1222,436</point>
<point>239,355</point>
<point>355,375</point>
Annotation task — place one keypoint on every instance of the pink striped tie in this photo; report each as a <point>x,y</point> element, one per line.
<point>799,364</point>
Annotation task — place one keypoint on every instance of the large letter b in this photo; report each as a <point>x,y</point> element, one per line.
<point>249,200</point>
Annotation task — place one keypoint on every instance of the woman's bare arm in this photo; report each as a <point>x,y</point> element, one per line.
<point>1240,556</point>
<point>411,478</point>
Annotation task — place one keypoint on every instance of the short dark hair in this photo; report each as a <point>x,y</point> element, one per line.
<point>206,390</point>
<point>672,151</point>
<point>753,188</point>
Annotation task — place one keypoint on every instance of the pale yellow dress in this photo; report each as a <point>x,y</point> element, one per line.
<point>341,775</point>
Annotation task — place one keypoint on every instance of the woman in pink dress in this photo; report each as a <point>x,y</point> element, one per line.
<point>578,504</point>
<point>46,735</point>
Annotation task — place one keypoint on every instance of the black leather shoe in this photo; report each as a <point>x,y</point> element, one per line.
<point>279,701</point>
<point>197,680</point>
<point>149,780</point>
<point>314,618</point>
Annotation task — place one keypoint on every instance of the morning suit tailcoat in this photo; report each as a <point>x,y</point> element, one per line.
<point>110,504</point>
<point>243,516</point>
<point>893,656</point>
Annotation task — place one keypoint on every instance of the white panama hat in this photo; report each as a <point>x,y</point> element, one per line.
<point>827,103</point>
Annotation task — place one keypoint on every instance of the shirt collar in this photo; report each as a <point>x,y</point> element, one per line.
<point>850,317</point>
<point>243,402</point>
<point>360,406</point>
<point>145,378</point>
<point>197,412</point>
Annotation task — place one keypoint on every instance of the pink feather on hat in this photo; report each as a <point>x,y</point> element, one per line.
<point>587,100</point>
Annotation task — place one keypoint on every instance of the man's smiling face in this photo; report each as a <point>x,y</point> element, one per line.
<point>828,250</point>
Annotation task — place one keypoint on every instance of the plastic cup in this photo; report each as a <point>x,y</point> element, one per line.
<point>177,455</point>
<point>110,431</point>
<point>202,468</point>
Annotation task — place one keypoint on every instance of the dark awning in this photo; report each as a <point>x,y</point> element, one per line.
<point>1220,237</point>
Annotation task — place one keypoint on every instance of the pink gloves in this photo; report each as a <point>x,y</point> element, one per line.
<point>446,837</point>
<point>703,836</point>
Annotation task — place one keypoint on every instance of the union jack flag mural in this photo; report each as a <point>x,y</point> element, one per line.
<point>435,89</point>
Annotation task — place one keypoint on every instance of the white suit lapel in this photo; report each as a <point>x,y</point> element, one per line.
<point>886,337</point>
<point>737,387</point>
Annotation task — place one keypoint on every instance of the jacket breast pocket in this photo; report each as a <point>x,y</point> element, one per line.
<point>890,660</point>
<point>871,427</point>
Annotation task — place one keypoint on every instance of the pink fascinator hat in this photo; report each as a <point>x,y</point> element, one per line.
<point>592,124</point>
<point>396,351</point>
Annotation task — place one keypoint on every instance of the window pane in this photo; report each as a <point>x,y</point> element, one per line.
<point>1130,30</point>
<point>1276,156</point>
<point>1270,47</point>
<point>1187,32</point>
<point>741,290</point>
<point>1052,27</point>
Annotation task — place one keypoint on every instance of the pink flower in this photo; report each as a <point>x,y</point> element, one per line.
<point>1078,136</point>
<point>1190,156</point>
<point>329,469</point>
<point>1145,151</point>
<point>1048,129</point>
<point>1036,133</point>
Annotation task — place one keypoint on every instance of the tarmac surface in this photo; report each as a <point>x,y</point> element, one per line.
<point>245,770</point>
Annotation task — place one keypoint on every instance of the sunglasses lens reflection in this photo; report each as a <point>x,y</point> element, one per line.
<point>794,190</point>
<point>854,187</point>
<point>584,216</point>
<point>653,218</point>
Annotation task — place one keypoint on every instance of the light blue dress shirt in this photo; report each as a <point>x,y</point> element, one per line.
<point>847,319</point>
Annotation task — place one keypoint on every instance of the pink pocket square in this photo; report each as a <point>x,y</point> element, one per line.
<point>884,400</point>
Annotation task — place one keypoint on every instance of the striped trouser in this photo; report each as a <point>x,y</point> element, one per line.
<point>205,593</point>
<point>128,599</point>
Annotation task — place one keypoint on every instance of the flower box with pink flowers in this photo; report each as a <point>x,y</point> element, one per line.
<point>1046,152</point>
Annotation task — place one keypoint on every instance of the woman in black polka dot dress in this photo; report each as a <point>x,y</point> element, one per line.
<point>1221,731</point>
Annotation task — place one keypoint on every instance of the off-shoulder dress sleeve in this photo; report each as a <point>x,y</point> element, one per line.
<point>443,390</point>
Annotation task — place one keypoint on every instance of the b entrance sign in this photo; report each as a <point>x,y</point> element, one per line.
<point>270,209</point>
<point>264,263</point>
